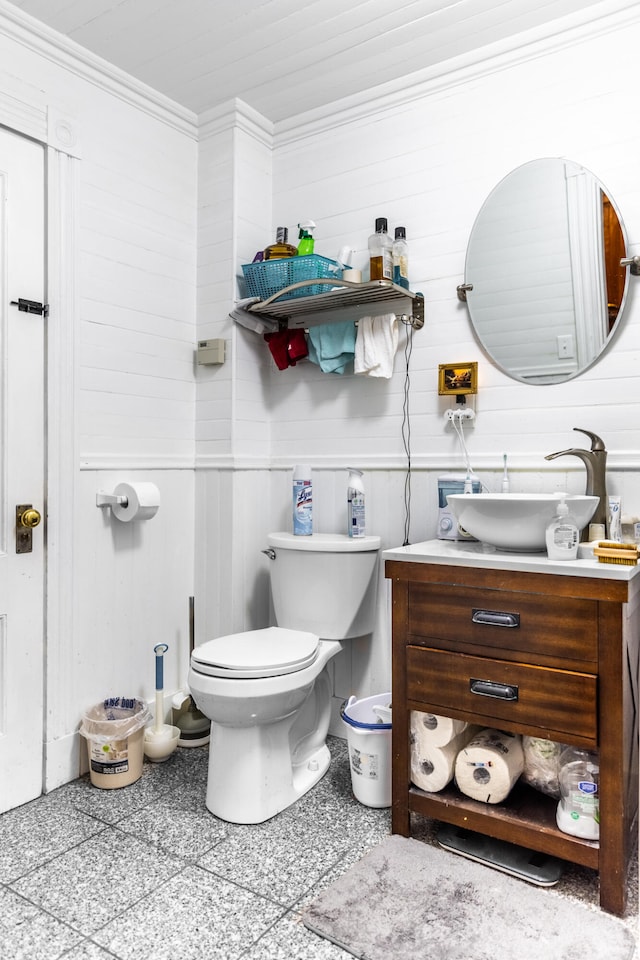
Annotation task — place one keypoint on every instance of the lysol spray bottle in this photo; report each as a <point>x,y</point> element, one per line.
<point>355,503</point>
<point>302,500</point>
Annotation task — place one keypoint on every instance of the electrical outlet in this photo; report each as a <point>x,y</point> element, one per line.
<point>457,415</point>
<point>566,349</point>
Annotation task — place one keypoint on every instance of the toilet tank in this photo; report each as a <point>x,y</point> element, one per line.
<point>325,583</point>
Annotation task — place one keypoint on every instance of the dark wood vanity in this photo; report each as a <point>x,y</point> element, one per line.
<point>573,656</point>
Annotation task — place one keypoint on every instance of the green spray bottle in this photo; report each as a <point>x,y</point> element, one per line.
<point>305,237</point>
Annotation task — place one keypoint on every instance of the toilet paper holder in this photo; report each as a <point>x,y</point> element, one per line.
<point>109,499</point>
<point>138,500</point>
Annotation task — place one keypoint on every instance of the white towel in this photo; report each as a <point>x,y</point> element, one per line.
<point>376,345</point>
<point>251,321</point>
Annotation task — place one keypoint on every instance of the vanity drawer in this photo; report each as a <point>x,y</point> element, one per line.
<point>562,701</point>
<point>565,628</point>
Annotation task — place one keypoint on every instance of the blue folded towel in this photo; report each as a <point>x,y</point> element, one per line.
<point>332,345</point>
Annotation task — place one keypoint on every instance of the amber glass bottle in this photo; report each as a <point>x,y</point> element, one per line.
<point>281,248</point>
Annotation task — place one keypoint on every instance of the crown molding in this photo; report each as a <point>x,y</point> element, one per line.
<point>568,31</point>
<point>235,114</point>
<point>66,53</point>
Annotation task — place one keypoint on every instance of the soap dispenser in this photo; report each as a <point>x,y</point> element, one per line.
<point>562,535</point>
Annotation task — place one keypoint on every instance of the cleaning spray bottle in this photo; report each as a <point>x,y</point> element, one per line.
<point>355,503</point>
<point>305,237</point>
<point>302,500</point>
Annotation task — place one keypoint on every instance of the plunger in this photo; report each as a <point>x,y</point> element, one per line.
<point>194,726</point>
<point>160,739</point>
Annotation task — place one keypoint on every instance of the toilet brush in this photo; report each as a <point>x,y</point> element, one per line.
<point>160,739</point>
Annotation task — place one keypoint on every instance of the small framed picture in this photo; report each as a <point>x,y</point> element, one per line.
<point>457,378</point>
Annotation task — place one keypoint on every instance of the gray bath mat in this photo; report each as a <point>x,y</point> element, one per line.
<point>407,900</point>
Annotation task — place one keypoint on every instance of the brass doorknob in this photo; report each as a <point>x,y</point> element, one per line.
<point>29,518</point>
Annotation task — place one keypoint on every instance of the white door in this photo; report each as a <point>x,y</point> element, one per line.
<point>22,399</point>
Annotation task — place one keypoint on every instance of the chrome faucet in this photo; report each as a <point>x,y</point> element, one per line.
<point>595,460</point>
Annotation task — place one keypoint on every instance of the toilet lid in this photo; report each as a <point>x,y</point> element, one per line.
<point>256,653</point>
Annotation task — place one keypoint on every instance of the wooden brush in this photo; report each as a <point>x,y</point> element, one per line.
<point>609,551</point>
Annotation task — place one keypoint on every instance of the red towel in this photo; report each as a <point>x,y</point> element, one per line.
<point>287,347</point>
<point>297,347</point>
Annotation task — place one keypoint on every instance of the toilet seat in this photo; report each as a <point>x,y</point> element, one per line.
<point>271,652</point>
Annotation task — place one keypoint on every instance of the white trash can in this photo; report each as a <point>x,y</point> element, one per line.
<point>114,731</point>
<point>368,723</point>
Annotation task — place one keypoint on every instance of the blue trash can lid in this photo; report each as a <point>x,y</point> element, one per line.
<point>361,714</point>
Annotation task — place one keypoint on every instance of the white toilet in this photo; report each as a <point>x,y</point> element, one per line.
<point>267,692</point>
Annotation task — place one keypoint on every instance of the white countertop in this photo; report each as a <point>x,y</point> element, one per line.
<point>458,553</point>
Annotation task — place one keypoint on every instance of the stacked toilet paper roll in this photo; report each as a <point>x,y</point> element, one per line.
<point>488,766</point>
<point>435,744</point>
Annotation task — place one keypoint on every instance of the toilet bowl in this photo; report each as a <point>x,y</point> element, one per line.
<point>268,692</point>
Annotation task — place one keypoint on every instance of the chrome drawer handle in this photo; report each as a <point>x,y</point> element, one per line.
<point>495,618</point>
<point>500,691</point>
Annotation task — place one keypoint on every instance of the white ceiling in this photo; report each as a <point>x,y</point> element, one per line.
<point>283,57</point>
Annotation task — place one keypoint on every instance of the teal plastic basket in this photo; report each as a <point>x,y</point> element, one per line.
<point>265,279</point>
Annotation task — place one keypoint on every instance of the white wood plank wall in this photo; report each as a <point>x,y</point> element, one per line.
<point>428,162</point>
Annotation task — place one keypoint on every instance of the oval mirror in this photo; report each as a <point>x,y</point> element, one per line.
<point>543,280</point>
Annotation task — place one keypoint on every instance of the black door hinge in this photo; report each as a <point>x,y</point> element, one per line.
<point>31,306</point>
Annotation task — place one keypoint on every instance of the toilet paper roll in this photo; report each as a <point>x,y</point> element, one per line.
<point>489,765</point>
<point>354,276</point>
<point>438,731</point>
<point>432,767</point>
<point>142,503</point>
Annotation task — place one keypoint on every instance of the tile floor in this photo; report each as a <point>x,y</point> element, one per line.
<point>146,873</point>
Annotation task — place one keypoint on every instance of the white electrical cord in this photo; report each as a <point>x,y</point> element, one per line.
<point>457,426</point>
<point>470,477</point>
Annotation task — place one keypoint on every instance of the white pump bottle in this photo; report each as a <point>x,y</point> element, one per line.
<point>563,535</point>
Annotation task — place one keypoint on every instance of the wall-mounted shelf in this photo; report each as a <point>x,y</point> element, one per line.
<point>345,301</point>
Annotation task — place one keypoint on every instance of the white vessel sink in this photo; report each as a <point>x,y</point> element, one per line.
<point>515,521</point>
